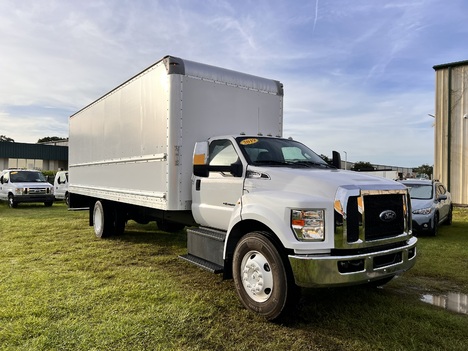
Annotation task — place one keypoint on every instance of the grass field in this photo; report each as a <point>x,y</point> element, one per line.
<point>63,289</point>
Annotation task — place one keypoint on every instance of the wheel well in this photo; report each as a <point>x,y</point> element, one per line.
<point>237,232</point>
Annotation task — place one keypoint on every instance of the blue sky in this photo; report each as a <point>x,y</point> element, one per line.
<point>357,74</point>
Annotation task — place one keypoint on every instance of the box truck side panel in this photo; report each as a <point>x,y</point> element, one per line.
<point>118,145</point>
<point>135,144</point>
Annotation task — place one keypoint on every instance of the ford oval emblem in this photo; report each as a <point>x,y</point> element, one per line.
<point>387,216</point>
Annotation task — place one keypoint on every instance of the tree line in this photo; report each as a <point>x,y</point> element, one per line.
<point>41,140</point>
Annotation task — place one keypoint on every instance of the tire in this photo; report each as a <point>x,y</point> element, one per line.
<point>119,220</point>
<point>11,201</point>
<point>435,227</point>
<point>262,277</point>
<point>48,204</point>
<point>449,219</point>
<point>67,199</point>
<point>102,221</point>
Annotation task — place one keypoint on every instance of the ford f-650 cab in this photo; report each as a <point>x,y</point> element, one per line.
<point>206,145</point>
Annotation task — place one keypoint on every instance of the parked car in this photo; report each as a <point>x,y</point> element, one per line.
<point>19,185</point>
<point>61,186</point>
<point>431,205</point>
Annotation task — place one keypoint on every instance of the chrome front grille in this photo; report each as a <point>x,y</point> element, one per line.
<point>374,226</point>
<point>38,191</point>
<point>364,218</point>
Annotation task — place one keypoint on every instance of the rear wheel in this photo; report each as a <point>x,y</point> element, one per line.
<point>108,219</point>
<point>119,220</point>
<point>262,278</point>
<point>101,223</point>
<point>448,221</point>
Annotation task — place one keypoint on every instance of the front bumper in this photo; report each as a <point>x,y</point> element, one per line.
<point>329,271</point>
<point>422,223</point>
<point>34,198</point>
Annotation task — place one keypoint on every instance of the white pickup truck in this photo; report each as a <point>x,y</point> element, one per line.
<point>188,144</point>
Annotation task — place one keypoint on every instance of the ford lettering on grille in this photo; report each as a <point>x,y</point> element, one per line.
<point>387,216</point>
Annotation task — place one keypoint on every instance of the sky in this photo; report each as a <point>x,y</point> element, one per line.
<point>358,74</point>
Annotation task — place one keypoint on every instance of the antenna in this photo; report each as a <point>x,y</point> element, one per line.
<point>258,120</point>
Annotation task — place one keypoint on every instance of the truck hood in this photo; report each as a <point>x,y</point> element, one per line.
<point>314,181</point>
<point>418,204</point>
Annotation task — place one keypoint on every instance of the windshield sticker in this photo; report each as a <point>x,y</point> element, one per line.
<point>249,141</point>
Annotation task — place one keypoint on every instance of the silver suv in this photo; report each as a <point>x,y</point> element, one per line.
<point>431,205</point>
<point>18,185</point>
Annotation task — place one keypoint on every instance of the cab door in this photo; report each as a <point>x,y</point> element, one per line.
<point>214,197</point>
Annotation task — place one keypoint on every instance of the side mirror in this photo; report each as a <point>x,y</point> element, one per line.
<point>336,161</point>
<point>201,170</point>
<point>442,198</point>
<point>237,169</point>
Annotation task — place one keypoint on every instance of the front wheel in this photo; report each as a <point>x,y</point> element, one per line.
<point>262,278</point>
<point>11,202</point>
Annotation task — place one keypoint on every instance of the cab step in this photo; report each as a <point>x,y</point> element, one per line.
<point>205,248</point>
<point>209,266</point>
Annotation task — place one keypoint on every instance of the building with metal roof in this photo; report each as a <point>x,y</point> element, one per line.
<point>451,129</point>
<point>33,156</point>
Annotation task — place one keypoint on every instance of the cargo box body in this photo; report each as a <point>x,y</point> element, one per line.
<point>135,144</point>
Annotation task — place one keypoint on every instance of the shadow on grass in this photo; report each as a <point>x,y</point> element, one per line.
<point>149,234</point>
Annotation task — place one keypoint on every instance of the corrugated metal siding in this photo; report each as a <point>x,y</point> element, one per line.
<point>33,151</point>
<point>451,129</point>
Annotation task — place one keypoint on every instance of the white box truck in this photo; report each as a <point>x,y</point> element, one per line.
<point>188,144</point>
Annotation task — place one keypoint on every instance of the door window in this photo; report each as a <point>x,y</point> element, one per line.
<point>222,153</point>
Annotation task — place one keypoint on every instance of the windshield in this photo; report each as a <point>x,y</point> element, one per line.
<point>420,191</point>
<point>264,151</point>
<point>26,177</point>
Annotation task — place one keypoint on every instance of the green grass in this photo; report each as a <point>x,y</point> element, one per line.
<point>63,289</point>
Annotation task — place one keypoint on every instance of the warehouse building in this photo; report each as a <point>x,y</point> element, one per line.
<point>42,157</point>
<point>451,129</point>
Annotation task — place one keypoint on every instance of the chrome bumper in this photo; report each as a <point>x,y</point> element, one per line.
<point>329,271</point>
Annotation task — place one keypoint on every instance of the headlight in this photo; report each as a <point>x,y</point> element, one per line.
<point>19,191</point>
<point>423,211</point>
<point>308,225</point>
